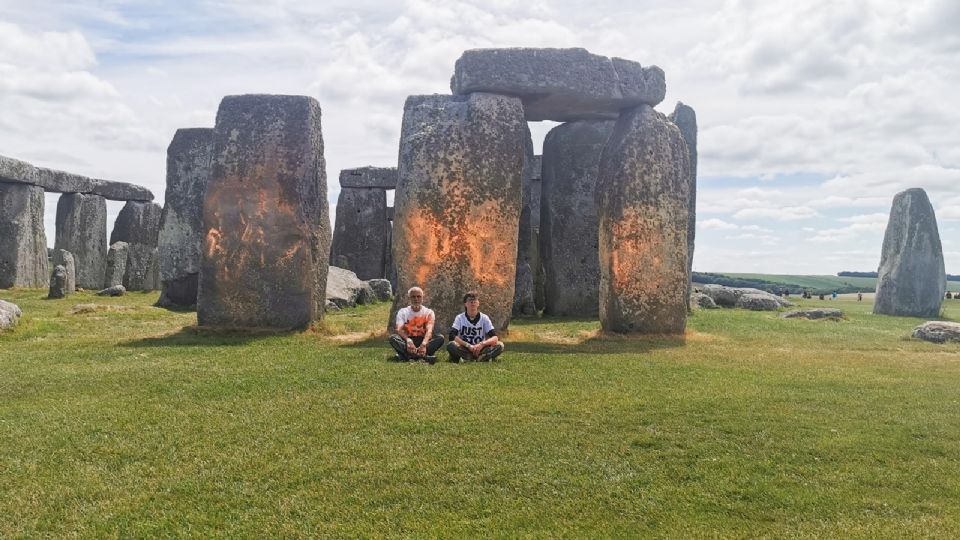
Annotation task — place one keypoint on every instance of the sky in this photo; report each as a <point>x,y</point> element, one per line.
<point>812,115</point>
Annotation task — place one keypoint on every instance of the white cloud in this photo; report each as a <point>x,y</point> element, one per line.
<point>717,224</point>
<point>784,213</point>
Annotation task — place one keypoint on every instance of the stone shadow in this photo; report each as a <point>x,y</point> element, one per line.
<point>193,336</point>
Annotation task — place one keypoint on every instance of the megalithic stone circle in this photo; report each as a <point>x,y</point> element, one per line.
<point>457,204</point>
<point>360,232</point>
<point>911,280</point>
<point>643,200</point>
<point>569,219</point>
<point>685,118</point>
<point>82,230</point>
<point>189,161</point>
<point>23,242</point>
<point>265,216</point>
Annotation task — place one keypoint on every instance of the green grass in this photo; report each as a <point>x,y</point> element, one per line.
<point>128,422</point>
<point>824,283</point>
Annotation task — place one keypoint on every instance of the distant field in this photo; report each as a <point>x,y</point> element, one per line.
<point>821,282</point>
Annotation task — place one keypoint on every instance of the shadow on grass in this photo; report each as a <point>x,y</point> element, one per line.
<point>193,336</point>
<point>602,344</point>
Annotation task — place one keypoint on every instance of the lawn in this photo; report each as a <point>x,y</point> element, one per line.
<point>823,283</point>
<point>126,421</point>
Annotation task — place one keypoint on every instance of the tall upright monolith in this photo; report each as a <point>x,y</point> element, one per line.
<point>82,230</point>
<point>189,159</point>
<point>360,232</point>
<point>457,207</point>
<point>138,224</point>
<point>265,216</point>
<point>685,118</point>
<point>643,200</point>
<point>911,280</point>
<point>523,294</point>
<point>568,217</point>
<point>23,242</point>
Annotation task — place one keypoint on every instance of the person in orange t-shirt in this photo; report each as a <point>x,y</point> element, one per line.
<point>414,324</point>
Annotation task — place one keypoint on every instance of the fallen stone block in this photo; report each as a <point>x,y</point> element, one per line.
<point>116,290</point>
<point>813,314</point>
<point>938,331</point>
<point>9,315</point>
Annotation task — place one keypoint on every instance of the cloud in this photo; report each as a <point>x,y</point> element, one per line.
<point>784,213</point>
<point>717,224</point>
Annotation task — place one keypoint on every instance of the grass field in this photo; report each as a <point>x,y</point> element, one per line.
<point>126,421</point>
<point>825,283</point>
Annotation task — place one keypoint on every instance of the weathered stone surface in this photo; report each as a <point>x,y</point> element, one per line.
<point>813,314</point>
<point>9,314</point>
<point>23,242</point>
<point>151,281</point>
<point>642,196</point>
<point>136,273</point>
<point>382,289</point>
<point>21,172</point>
<point>345,289</point>
<point>137,223</point>
<point>457,207</point>
<point>369,177</point>
<point>560,84</point>
<point>389,213</point>
<point>116,266</point>
<point>704,302</point>
<point>911,280</point>
<point>62,257</point>
<point>937,331</point>
<point>360,232</point>
<point>685,118</point>
<point>758,302</point>
<point>523,303</point>
<point>82,230</point>
<point>189,160</point>
<point>265,216</point>
<point>729,297</point>
<point>116,290</point>
<point>568,217</point>
<point>58,282</point>
<point>527,251</point>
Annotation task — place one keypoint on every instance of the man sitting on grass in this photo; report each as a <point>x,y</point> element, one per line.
<point>473,337</point>
<point>414,323</point>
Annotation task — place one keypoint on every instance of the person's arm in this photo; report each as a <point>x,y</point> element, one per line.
<point>431,320</point>
<point>402,332</point>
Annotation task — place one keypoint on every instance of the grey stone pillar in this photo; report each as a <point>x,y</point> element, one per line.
<point>911,280</point>
<point>23,242</point>
<point>523,294</point>
<point>686,119</point>
<point>181,236</point>
<point>82,230</point>
<point>643,200</point>
<point>457,206</point>
<point>568,217</point>
<point>359,236</point>
<point>138,224</point>
<point>265,216</point>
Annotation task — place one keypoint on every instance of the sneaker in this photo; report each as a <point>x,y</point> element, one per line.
<point>490,353</point>
<point>398,358</point>
<point>430,359</point>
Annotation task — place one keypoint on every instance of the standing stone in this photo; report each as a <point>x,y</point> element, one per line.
<point>523,302</point>
<point>686,119</point>
<point>138,224</point>
<point>58,282</point>
<point>359,235</point>
<point>265,216</point>
<point>82,230</point>
<point>568,217</point>
<point>181,225</point>
<point>64,258</point>
<point>23,242</point>
<point>151,281</point>
<point>117,257</point>
<point>457,207</point>
<point>643,200</point>
<point>369,177</point>
<point>911,280</point>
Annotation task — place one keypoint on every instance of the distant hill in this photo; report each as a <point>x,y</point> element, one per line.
<point>796,283</point>
<point>950,277</point>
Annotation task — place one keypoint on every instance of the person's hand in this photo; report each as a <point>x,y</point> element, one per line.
<point>475,349</point>
<point>422,350</point>
<point>411,348</point>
